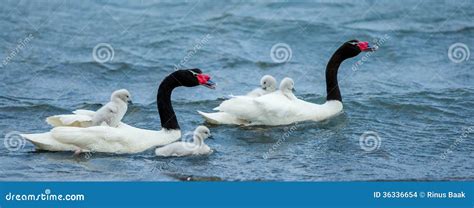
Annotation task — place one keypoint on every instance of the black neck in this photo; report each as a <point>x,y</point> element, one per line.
<point>332,87</point>
<point>163,100</point>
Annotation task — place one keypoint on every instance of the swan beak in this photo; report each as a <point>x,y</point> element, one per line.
<point>366,47</point>
<point>210,84</point>
<point>372,48</point>
<point>210,137</point>
<point>293,90</point>
<point>130,102</point>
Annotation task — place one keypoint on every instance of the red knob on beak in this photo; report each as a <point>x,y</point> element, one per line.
<point>364,46</point>
<point>205,80</point>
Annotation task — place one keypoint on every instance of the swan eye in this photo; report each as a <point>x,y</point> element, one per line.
<point>353,42</point>
<point>194,73</point>
<point>264,83</point>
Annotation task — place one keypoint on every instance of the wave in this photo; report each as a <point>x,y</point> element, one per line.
<point>400,26</point>
<point>35,107</point>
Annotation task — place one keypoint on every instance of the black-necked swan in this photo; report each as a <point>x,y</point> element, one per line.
<point>277,109</point>
<point>110,114</point>
<point>197,147</point>
<point>124,138</point>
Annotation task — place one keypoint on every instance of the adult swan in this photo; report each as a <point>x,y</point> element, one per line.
<point>277,109</point>
<point>124,138</point>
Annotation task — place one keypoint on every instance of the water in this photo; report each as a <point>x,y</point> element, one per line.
<point>417,100</point>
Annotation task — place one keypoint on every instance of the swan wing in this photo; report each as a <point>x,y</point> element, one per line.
<point>274,109</point>
<point>241,107</point>
<point>233,101</point>
<point>77,120</point>
<point>96,138</point>
<point>222,118</point>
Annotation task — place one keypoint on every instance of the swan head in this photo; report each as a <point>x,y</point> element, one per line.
<point>192,78</point>
<point>202,132</point>
<point>122,95</point>
<point>354,47</point>
<point>287,85</point>
<point>268,83</point>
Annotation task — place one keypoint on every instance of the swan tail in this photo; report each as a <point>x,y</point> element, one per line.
<point>45,141</point>
<point>222,118</point>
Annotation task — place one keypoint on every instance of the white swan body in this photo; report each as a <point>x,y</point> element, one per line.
<point>277,108</point>
<point>197,147</point>
<point>119,140</point>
